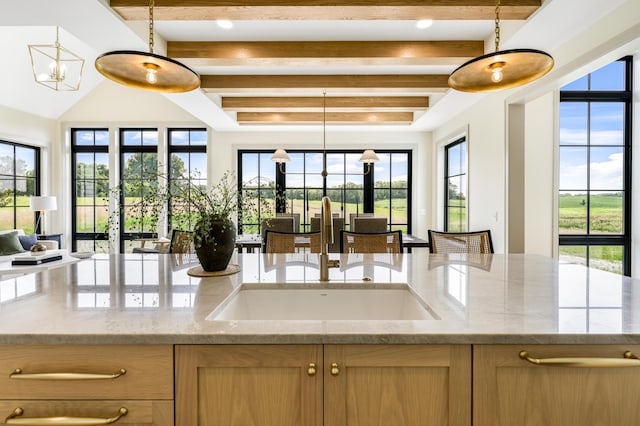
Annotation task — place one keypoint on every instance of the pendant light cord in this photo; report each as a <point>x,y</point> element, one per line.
<point>151,25</point>
<point>497,25</point>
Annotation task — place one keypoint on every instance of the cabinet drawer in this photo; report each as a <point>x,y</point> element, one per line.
<point>157,413</point>
<point>569,385</point>
<point>148,372</point>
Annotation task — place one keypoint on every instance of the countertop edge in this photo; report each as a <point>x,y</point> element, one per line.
<point>305,339</point>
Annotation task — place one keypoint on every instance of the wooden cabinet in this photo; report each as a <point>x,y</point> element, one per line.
<point>402,385</point>
<point>96,382</point>
<point>595,385</point>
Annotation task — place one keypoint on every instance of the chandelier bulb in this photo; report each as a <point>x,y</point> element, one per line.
<point>57,71</point>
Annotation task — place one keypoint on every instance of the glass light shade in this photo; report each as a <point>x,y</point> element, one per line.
<point>501,70</point>
<point>147,71</point>
<point>43,203</point>
<point>280,156</point>
<point>369,156</point>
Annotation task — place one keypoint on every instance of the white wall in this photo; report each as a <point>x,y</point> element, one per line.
<point>486,168</point>
<point>540,175</point>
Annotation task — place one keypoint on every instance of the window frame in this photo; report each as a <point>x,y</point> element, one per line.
<point>133,149</point>
<point>368,182</point>
<point>459,141</point>
<point>91,149</point>
<point>183,149</point>
<point>610,96</point>
<point>14,177</point>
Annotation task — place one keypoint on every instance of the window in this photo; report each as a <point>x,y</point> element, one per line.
<point>455,201</point>
<point>391,189</point>
<point>138,176</point>
<point>385,191</point>
<point>19,179</point>
<point>90,189</point>
<point>595,169</point>
<point>187,164</point>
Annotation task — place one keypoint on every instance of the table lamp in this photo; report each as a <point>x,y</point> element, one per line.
<point>42,204</point>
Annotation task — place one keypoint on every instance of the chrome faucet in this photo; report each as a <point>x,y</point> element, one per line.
<point>326,237</point>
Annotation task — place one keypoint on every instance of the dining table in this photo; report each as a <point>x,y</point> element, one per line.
<point>249,242</point>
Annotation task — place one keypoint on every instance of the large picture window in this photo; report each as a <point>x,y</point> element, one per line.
<point>595,169</point>
<point>19,179</point>
<point>90,189</point>
<point>385,191</point>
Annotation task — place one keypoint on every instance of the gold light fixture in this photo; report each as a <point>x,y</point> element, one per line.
<point>56,67</point>
<point>501,69</point>
<point>368,157</point>
<point>146,70</point>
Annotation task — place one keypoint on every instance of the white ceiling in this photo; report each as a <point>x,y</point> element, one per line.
<point>90,28</point>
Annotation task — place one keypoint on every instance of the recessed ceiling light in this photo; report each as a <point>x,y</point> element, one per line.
<point>424,23</point>
<point>224,23</point>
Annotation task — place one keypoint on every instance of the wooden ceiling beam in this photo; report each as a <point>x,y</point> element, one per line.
<point>334,103</point>
<point>324,10</point>
<point>331,117</point>
<point>403,83</point>
<point>310,53</point>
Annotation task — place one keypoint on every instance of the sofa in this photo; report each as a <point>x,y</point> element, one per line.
<point>26,241</point>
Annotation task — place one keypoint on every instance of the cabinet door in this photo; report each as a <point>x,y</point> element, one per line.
<point>249,385</point>
<point>509,390</point>
<point>400,385</point>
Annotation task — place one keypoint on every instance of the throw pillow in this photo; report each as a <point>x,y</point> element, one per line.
<point>28,241</point>
<point>10,244</point>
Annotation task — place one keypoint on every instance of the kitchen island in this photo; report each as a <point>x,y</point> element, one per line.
<point>497,324</point>
<point>150,298</point>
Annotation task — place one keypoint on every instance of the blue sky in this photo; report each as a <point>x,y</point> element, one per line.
<point>605,135</point>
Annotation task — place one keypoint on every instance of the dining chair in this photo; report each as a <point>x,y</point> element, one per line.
<point>352,216</point>
<point>338,225</point>
<point>370,224</point>
<point>460,242</point>
<point>181,242</point>
<point>280,224</point>
<point>371,242</point>
<point>291,242</point>
<point>296,219</point>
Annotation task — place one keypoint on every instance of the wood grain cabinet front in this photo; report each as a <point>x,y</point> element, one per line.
<point>123,384</point>
<point>333,385</point>
<point>556,385</point>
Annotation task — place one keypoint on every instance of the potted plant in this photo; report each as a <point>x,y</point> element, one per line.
<point>210,213</point>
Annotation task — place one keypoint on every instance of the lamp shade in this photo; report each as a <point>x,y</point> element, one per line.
<point>43,203</point>
<point>280,156</point>
<point>369,156</point>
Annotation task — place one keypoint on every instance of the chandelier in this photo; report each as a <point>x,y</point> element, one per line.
<point>368,157</point>
<point>56,67</point>
<point>147,70</point>
<point>501,69</point>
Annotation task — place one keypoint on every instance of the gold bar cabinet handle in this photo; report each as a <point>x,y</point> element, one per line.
<point>629,360</point>
<point>334,369</point>
<point>14,419</point>
<point>18,374</point>
<point>311,371</point>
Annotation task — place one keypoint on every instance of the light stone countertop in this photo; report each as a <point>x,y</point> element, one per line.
<point>150,299</point>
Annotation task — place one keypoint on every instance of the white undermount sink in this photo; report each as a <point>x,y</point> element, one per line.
<point>278,303</point>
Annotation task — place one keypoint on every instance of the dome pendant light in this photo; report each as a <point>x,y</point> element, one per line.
<point>501,69</point>
<point>147,71</point>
